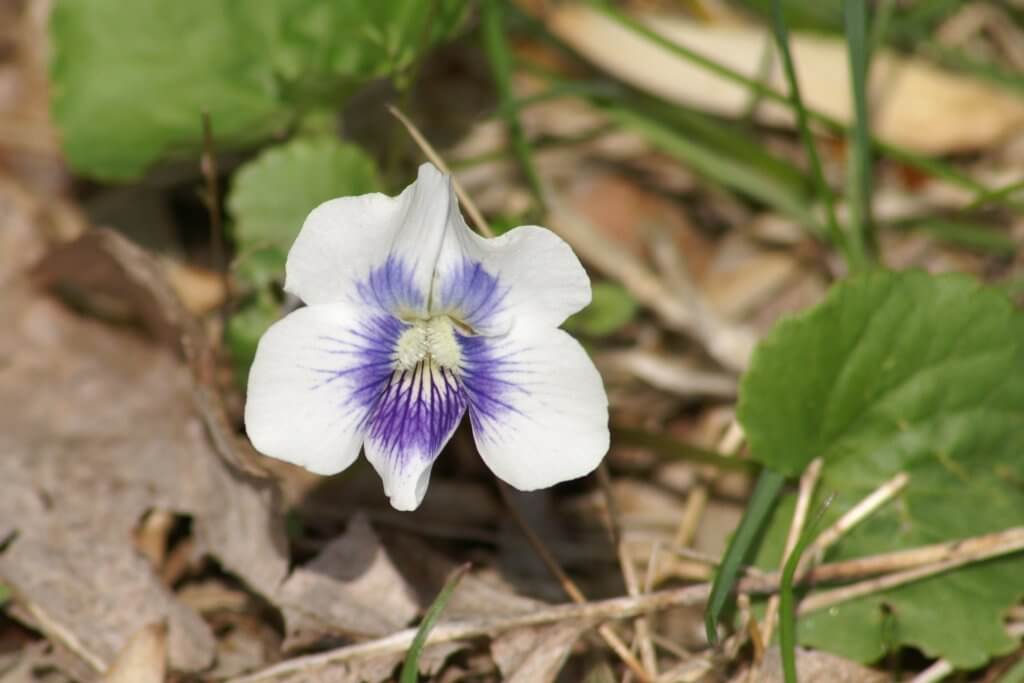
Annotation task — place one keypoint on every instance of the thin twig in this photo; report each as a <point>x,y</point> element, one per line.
<point>693,510</point>
<point>1005,542</point>
<point>1011,541</point>
<point>668,374</point>
<point>977,547</point>
<point>808,482</point>
<point>852,518</point>
<point>732,441</point>
<point>643,631</point>
<point>570,587</point>
<point>616,608</point>
<point>428,150</point>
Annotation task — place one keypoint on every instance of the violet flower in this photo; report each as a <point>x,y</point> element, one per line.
<point>412,320</point>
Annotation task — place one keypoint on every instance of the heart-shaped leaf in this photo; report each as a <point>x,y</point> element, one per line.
<point>902,372</point>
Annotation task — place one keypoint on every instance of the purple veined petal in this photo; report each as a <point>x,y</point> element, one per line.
<point>469,293</point>
<point>315,376</point>
<point>391,287</point>
<point>528,275</point>
<point>414,417</point>
<point>347,241</point>
<point>537,406</point>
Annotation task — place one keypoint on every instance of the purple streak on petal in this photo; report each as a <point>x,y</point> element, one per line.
<point>391,287</point>
<point>492,381</point>
<point>471,293</point>
<point>364,361</point>
<point>416,413</point>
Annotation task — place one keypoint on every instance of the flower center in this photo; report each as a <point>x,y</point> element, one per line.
<point>430,340</point>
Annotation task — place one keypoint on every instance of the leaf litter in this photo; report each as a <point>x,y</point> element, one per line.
<point>129,507</point>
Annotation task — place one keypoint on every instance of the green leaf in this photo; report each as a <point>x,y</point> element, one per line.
<point>5,594</point>
<point>410,668</point>
<point>902,372</point>
<point>130,79</point>
<point>610,309</point>
<point>272,194</point>
<point>244,329</point>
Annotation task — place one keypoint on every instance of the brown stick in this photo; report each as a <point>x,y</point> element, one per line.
<point>966,550</point>
<point>643,631</point>
<point>428,151</point>
<point>958,554</point>
<point>617,608</point>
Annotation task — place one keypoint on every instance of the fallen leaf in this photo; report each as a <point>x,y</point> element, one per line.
<point>108,432</point>
<point>535,655</point>
<point>916,105</point>
<point>351,587</point>
<point>143,659</point>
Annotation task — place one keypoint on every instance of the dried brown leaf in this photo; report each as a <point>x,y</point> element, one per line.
<point>917,105</point>
<point>535,655</point>
<point>100,427</point>
<point>143,659</point>
<point>351,587</point>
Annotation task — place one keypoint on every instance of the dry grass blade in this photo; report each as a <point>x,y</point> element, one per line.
<point>435,158</point>
<point>852,518</point>
<point>1005,543</point>
<point>643,631</point>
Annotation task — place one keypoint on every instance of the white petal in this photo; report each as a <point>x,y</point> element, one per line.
<point>537,405</point>
<point>529,273</point>
<point>405,483</point>
<point>316,375</point>
<point>344,241</point>
<point>408,426</point>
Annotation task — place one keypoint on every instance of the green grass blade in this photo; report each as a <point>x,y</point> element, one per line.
<point>854,259</point>
<point>411,666</point>
<point>995,195</point>
<point>723,153</point>
<point>713,164</point>
<point>787,602</point>
<point>492,18</point>
<point>880,24</point>
<point>910,158</point>
<point>766,491</point>
<point>973,235</point>
<point>861,228</point>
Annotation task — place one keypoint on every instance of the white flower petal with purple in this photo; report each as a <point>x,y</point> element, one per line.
<point>411,321</point>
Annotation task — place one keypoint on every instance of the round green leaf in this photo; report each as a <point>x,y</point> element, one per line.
<point>610,309</point>
<point>914,373</point>
<point>130,80</point>
<point>272,195</point>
